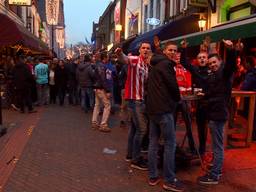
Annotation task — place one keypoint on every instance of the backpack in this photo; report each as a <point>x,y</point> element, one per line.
<point>98,76</point>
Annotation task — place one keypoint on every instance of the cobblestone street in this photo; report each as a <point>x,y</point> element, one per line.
<point>56,150</point>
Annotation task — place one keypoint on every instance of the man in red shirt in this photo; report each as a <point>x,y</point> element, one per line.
<point>134,93</point>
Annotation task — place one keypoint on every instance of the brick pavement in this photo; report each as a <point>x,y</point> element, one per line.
<point>64,154</point>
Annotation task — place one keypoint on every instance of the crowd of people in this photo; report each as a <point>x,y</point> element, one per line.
<point>152,86</point>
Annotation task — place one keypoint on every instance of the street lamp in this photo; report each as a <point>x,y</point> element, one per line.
<point>118,27</point>
<point>202,23</point>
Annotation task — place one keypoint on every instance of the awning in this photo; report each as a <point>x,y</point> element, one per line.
<point>12,34</point>
<point>185,25</point>
<point>243,28</point>
<point>124,44</point>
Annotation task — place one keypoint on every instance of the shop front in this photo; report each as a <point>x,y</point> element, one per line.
<point>16,36</point>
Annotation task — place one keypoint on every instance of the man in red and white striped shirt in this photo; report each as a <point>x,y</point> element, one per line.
<point>136,76</point>
<point>134,93</point>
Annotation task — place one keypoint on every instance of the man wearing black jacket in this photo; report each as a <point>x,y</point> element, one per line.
<point>162,97</point>
<point>201,105</point>
<point>23,80</point>
<point>217,93</point>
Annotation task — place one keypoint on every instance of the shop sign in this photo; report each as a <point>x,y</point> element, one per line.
<point>52,11</point>
<point>153,21</point>
<point>198,3</point>
<point>20,2</point>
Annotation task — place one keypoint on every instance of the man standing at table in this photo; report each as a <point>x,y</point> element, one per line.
<point>162,98</point>
<point>218,93</point>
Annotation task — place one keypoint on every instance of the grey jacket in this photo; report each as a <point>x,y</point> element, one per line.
<point>85,75</point>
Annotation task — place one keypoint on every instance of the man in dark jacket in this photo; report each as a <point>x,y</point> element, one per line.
<point>61,80</point>
<point>201,105</point>
<point>23,80</point>
<point>72,83</point>
<point>162,97</point>
<point>102,95</point>
<point>85,76</point>
<point>218,93</point>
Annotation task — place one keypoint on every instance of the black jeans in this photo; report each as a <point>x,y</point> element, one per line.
<point>61,94</point>
<point>24,99</point>
<point>53,93</point>
<point>201,121</point>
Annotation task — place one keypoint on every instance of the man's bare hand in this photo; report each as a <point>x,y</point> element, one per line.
<point>239,45</point>
<point>118,51</point>
<point>228,43</point>
<point>184,43</point>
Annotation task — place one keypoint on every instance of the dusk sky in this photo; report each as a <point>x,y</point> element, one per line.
<point>79,15</point>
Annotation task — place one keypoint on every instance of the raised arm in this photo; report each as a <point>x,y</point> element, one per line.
<point>230,62</point>
<point>186,64</point>
<point>121,56</point>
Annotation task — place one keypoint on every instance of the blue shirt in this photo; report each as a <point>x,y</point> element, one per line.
<point>110,73</point>
<point>41,73</point>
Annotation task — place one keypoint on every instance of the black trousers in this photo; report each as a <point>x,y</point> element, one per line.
<point>61,94</point>
<point>201,121</point>
<point>53,93</point>
<point>24,99</point>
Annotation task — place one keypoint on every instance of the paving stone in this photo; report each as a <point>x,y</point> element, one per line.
<point>64,154</point>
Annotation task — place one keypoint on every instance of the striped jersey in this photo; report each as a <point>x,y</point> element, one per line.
<point>136,76</point>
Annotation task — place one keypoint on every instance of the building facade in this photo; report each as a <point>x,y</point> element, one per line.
<point>176,19</point>
<point>28,23</point>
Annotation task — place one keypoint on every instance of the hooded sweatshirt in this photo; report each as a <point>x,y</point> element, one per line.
<point>85,74</point>
<point>162,88</point>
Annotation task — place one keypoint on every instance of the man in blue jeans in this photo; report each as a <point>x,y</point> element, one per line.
<point>162,97</point>
<point>217,93</point>
<point>137,74</point>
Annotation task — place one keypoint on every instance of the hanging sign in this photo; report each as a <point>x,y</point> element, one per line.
<point>20,2</point>
<point>52,11</point>
<point>153,21</point>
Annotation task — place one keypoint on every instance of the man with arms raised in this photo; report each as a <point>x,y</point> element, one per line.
<point>134,93</point>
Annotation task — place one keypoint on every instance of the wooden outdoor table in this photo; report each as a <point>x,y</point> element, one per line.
<point>190,97</point>
<point>251,95</point>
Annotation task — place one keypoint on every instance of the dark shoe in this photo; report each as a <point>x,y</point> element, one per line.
<point>208,180</point>
<point>32,111</point>
<point>140,165</point>
<point>176,185</point>
<point>144,150</point>
<point>122,124</point>
<point>104,128</point>
<point>14,107</point>
<point>128,158</point>
<point>3,132</point>
<point>208,171</point>
<point>95,125</point>
<point>153,181</point>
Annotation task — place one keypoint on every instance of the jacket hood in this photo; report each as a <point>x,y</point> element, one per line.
<point>82,66</point>
<point>157,58</point>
